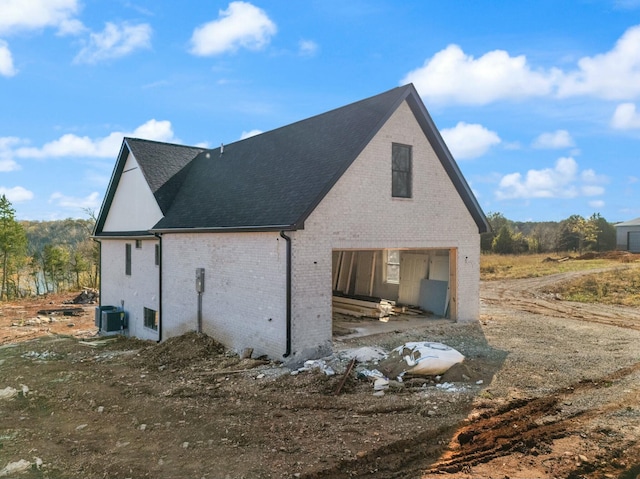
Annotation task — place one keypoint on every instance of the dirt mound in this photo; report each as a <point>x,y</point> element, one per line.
<point>182,349</point>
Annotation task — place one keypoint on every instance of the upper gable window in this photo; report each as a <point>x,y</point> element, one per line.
<point>400,171</point>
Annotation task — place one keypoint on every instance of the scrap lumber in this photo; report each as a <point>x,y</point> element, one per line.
<point>345,376</point>
<point>360,307</point>
<point>63,311</point>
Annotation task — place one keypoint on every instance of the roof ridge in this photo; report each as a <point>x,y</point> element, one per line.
<point>303,120</point>
<point>157,142</point>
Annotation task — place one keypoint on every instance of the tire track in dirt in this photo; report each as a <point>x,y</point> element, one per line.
<point>526,295</point>
<point>549,308</point>
<point>526,426</point>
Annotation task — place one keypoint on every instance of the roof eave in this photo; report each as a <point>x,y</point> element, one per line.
<point>229,229</point>
<point>111,189</point>
<point>122,235</point>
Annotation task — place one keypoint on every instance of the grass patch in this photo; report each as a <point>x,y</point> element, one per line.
<point>494,266</point>
<point>617,286</point>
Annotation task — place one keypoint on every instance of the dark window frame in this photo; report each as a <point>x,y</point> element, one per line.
<point>401,170</point>
<point>157,255</point>
<point>138,244</point>
<point>127,259</point>
<point>150,318</point>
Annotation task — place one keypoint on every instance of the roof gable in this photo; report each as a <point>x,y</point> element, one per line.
<point>133,207</point>
<point>273,181</point>
<point>163,166</point>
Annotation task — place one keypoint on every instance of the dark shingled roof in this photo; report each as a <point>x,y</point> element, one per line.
<point>164,166</point>
<point>274,180</point>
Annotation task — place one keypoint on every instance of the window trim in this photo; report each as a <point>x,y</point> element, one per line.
<point>138,244</point>
<point>157,254</point>
<point>398,174</point>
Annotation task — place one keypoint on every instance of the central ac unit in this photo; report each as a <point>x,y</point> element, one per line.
<point>113,321</point>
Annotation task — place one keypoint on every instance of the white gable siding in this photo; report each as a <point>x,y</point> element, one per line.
<point>134,207</point>
<point>138,290</point>
<point>244,302</point>
<point>359,213</point>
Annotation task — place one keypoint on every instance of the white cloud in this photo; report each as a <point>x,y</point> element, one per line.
<point>452,76</point>
<point>307,48</point>
<point>91,202</point>
<point>249,134</point>
<point>240,25</point>
<point>627,4</point>
<point>6,60</point>
<point>469,140</point>
<point>555,140</point>
<point>561,181</point>
<point>155,130</point>
<point>614,75</point>
<point>24,15</point>
<point>590,176</point>
<point>71,145</point>
<point>597,204</point>
<point>115,41</point>
<point>455,77</point>
<point>592,190</point>
<point>626,117</point>
<point>17,194</point>
<point>7,145</point>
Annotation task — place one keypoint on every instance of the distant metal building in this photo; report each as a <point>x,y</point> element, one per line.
<point>628,236</point>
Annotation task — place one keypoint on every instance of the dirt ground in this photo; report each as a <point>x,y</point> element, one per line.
<point>548,389</point>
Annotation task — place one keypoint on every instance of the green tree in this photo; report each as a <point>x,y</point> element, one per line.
<point>605,239</point>
<point>78,264</point>
<point>56,260</point>
<point>503,242</point>
<point>13,242</point>
<point>496,221</point>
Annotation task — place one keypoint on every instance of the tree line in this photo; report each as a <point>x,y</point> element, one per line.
<point>39,257</point>
<point>574,233</point>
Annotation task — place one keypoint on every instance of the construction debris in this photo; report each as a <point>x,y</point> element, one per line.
<point>421,358</point>
<point>87,296</point>
<point>63,311</point>
<point>367,307</point>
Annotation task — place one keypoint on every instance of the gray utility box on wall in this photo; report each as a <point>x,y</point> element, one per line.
<point>110,319</point>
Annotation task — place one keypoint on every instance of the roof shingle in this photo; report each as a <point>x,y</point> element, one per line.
<point>273,180</point>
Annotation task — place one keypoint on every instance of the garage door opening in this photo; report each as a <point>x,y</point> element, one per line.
<point>392,286</point>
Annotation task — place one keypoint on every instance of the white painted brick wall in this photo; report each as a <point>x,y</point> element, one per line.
<point>360,213</point>
<point>139,290</point>
<point>244,303</point>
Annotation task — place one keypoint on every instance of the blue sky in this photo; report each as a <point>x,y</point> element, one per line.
<point>539,102</point>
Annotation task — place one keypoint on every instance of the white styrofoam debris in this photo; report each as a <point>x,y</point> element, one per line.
<point>428,358</point>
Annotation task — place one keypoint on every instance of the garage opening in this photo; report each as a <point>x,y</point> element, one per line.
<point>393,285</point>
